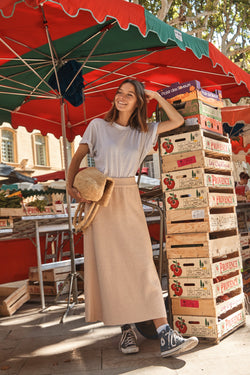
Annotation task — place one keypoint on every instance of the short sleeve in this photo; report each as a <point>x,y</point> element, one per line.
<point>89,137</point>
<point>151,137</point>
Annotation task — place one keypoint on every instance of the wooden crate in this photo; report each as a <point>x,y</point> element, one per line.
<point>6,223</point>
<point>192,245</point>
<point>195,140</point>
<point>55,274</point>
<point>205,307</point>
<point>208,327</point>
<point>50,288</point>
<point>203,288</point>
<point>12,298</point>
<point>203,267</point>
<point>12,211</point>
<point>196,159</point>
<point>195,177</point>
<point>201,220</point>
<point>198,197</point>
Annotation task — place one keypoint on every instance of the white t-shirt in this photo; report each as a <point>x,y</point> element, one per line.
<point>118,150</point>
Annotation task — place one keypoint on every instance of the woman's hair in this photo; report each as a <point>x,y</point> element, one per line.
<point>138,118</point>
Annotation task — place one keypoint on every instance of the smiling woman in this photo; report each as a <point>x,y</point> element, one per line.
<point>121,282</point>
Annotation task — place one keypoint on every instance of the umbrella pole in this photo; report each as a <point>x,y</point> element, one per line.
<point>72,277</point>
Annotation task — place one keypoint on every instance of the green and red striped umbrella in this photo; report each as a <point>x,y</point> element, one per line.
<point>112,39</point>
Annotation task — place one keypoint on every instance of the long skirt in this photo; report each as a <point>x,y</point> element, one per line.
<point>120,279</point>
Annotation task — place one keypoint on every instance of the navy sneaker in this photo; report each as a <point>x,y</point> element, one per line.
<point>127,343</point>
<point>172,343</point>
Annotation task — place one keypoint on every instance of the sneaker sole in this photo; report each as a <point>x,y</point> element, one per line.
<point>187,345</point>
<point>129,350</point>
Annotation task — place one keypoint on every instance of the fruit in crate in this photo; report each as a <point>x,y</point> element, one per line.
<point>13,200</point>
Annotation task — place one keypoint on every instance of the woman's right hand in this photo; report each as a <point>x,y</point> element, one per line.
<point>74,193</point>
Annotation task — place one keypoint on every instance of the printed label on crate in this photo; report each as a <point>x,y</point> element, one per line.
<point>187,198</point>
<point>214,180</point>
<point>190,303</point>
<point>188,287</point>
<point>218,164</point>
<point>196,325</point>
<point>181,143</point>
<point>183,179</point>
<point>190,267</point>
<point>222,200</point>
<point>231,322</point>
<point>198,214</point>
<point>186,161</point>
<point>218,146</point>
<point>31,210</point>
<point>226,266</point>
<point>227,285</point>
<point>222,221</point>
<point>202,267</point>
<point>191,90</point>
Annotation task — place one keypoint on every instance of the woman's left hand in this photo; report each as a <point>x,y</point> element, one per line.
<point>151,95</point>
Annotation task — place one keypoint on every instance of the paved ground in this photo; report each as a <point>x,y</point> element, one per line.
<point>35,343</point>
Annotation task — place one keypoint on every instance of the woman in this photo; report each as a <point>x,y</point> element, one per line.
<point>121,282</point>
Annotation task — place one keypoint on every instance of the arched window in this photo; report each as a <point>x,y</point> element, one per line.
<point>40,150</point>
<point>7,146</point>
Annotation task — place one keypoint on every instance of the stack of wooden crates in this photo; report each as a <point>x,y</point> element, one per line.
<point>202,241</point>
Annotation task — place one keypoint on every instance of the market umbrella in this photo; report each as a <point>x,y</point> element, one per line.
<point>111,39</point>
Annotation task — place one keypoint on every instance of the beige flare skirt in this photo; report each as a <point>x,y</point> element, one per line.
<point>120,279</point>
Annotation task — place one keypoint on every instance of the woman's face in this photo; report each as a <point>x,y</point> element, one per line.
<point>125,98</point>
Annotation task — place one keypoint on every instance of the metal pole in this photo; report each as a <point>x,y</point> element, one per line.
<point>71,236</point>
<point>39,265</point>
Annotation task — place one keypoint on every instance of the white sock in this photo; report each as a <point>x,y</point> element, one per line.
<point>161,328</point>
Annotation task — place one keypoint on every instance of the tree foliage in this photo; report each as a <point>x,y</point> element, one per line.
<point>222,22</point>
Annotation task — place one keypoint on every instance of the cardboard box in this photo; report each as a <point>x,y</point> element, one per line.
<point>198,197</point>
<point>195,112</point>
<point>191,90</point>
<point>195,140</point>
<point>12,298</point>
<point>199,245</point>
<point>196,159</point>
<point>200,220</point>
<point>203,288</point>
<point>197,107</point>
<point>202,267</point>
<point>208,327</point>
<point>195,177</point>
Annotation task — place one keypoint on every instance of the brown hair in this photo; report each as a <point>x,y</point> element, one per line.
<point>138,118</point>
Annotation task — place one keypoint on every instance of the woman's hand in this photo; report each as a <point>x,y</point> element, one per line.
<point>74,193</point>
<point>151,95</point>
